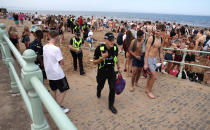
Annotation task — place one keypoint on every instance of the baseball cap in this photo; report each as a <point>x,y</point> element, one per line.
<point>77,33</point>
<point>109,36</point>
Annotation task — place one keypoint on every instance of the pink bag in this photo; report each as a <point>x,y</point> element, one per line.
<point>174,72</point>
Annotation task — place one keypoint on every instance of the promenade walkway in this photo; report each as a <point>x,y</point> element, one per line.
<point>179,105</point>
<point>13,113</point>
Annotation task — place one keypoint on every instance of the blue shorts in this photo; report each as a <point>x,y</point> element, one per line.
<point>89,39</point>
<point>104,25</point>
<point>16,21</point>
<point>138,62</point>
<point>152,64</point>
<point>26,39</point>
<point>168,56</point>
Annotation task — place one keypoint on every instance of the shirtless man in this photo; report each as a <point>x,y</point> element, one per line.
<point>152,51</point>
<point>149,28</point>
<point>137,49</point>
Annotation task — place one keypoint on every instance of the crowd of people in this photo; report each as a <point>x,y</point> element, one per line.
<point>141,42</point>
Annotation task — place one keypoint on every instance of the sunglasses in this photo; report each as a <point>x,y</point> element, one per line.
<point>111,40</point>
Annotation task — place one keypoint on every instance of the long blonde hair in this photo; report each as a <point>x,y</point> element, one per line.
<point>12,31</point>
<point>26,29</point>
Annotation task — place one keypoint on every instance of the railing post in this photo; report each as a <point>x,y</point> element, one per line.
<point>30,70</point>
<point>1,41</point>
<point>7,57</point>
<point>182,63</point>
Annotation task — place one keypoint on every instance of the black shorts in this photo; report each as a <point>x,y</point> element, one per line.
<point>60,84</point>
<point>138,62</point>
<point>190,58</point>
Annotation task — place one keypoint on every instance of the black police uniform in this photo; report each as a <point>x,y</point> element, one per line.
<point>86,31</point>
<point>76,28</point>
<point>72,24</point>
<point>106,70</point>
<point>79,55</point>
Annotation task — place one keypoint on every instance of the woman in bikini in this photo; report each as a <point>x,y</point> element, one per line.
<point>126,45</point>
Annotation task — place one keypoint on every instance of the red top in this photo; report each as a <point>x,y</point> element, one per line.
<point>80,21</point>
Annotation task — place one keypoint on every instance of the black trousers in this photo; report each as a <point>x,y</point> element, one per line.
<point>79,57</point>
<point>72,28</point>
<point>103,74</point>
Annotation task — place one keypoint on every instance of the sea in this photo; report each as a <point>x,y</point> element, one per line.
<point>192,20</point>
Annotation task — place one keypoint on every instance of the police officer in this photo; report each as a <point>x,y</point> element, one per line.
<point>76,27</point>
<point>85,28</point>
<point>71,22</point>
<point>76,51</point>
<point>106,57</point>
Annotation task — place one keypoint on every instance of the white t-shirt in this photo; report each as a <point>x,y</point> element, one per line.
<point>52,55</point>
<point>124,37</point>
<point>105,21</point>
<point>36,16</point>
<point>90,33</point>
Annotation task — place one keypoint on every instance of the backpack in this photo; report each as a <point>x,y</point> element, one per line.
<point>143,45</point>
<point>184,74</point>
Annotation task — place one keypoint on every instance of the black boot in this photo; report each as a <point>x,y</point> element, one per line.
<point>113,109</point>
<point>82,73</point>
<point>98,94</point>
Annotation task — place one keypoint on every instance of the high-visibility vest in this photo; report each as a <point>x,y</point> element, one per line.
<point>85,27</point>
<point>76,27</point>
<point>76,44</point>
<point>103,63</point>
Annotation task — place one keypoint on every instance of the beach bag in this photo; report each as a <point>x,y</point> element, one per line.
<point>119,84</point>
<point>174,72</point>
<point>200,77</point>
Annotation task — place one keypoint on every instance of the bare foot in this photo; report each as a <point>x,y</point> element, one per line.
<point>132,89</point>
<point>137,85</point>
<point>150,95</point>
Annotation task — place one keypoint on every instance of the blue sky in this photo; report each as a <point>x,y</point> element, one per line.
<point>192,7</point>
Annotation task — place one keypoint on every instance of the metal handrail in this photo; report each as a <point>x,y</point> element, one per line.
<point>22,90</point>
<point>205,52</point>
<point>202,66</point>
<point>37,93</point>
<point>16,53</point>
<point>60,119</point>
<point>182,63</point>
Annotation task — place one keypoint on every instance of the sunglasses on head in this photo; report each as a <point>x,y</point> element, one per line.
<point>110,38</point>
